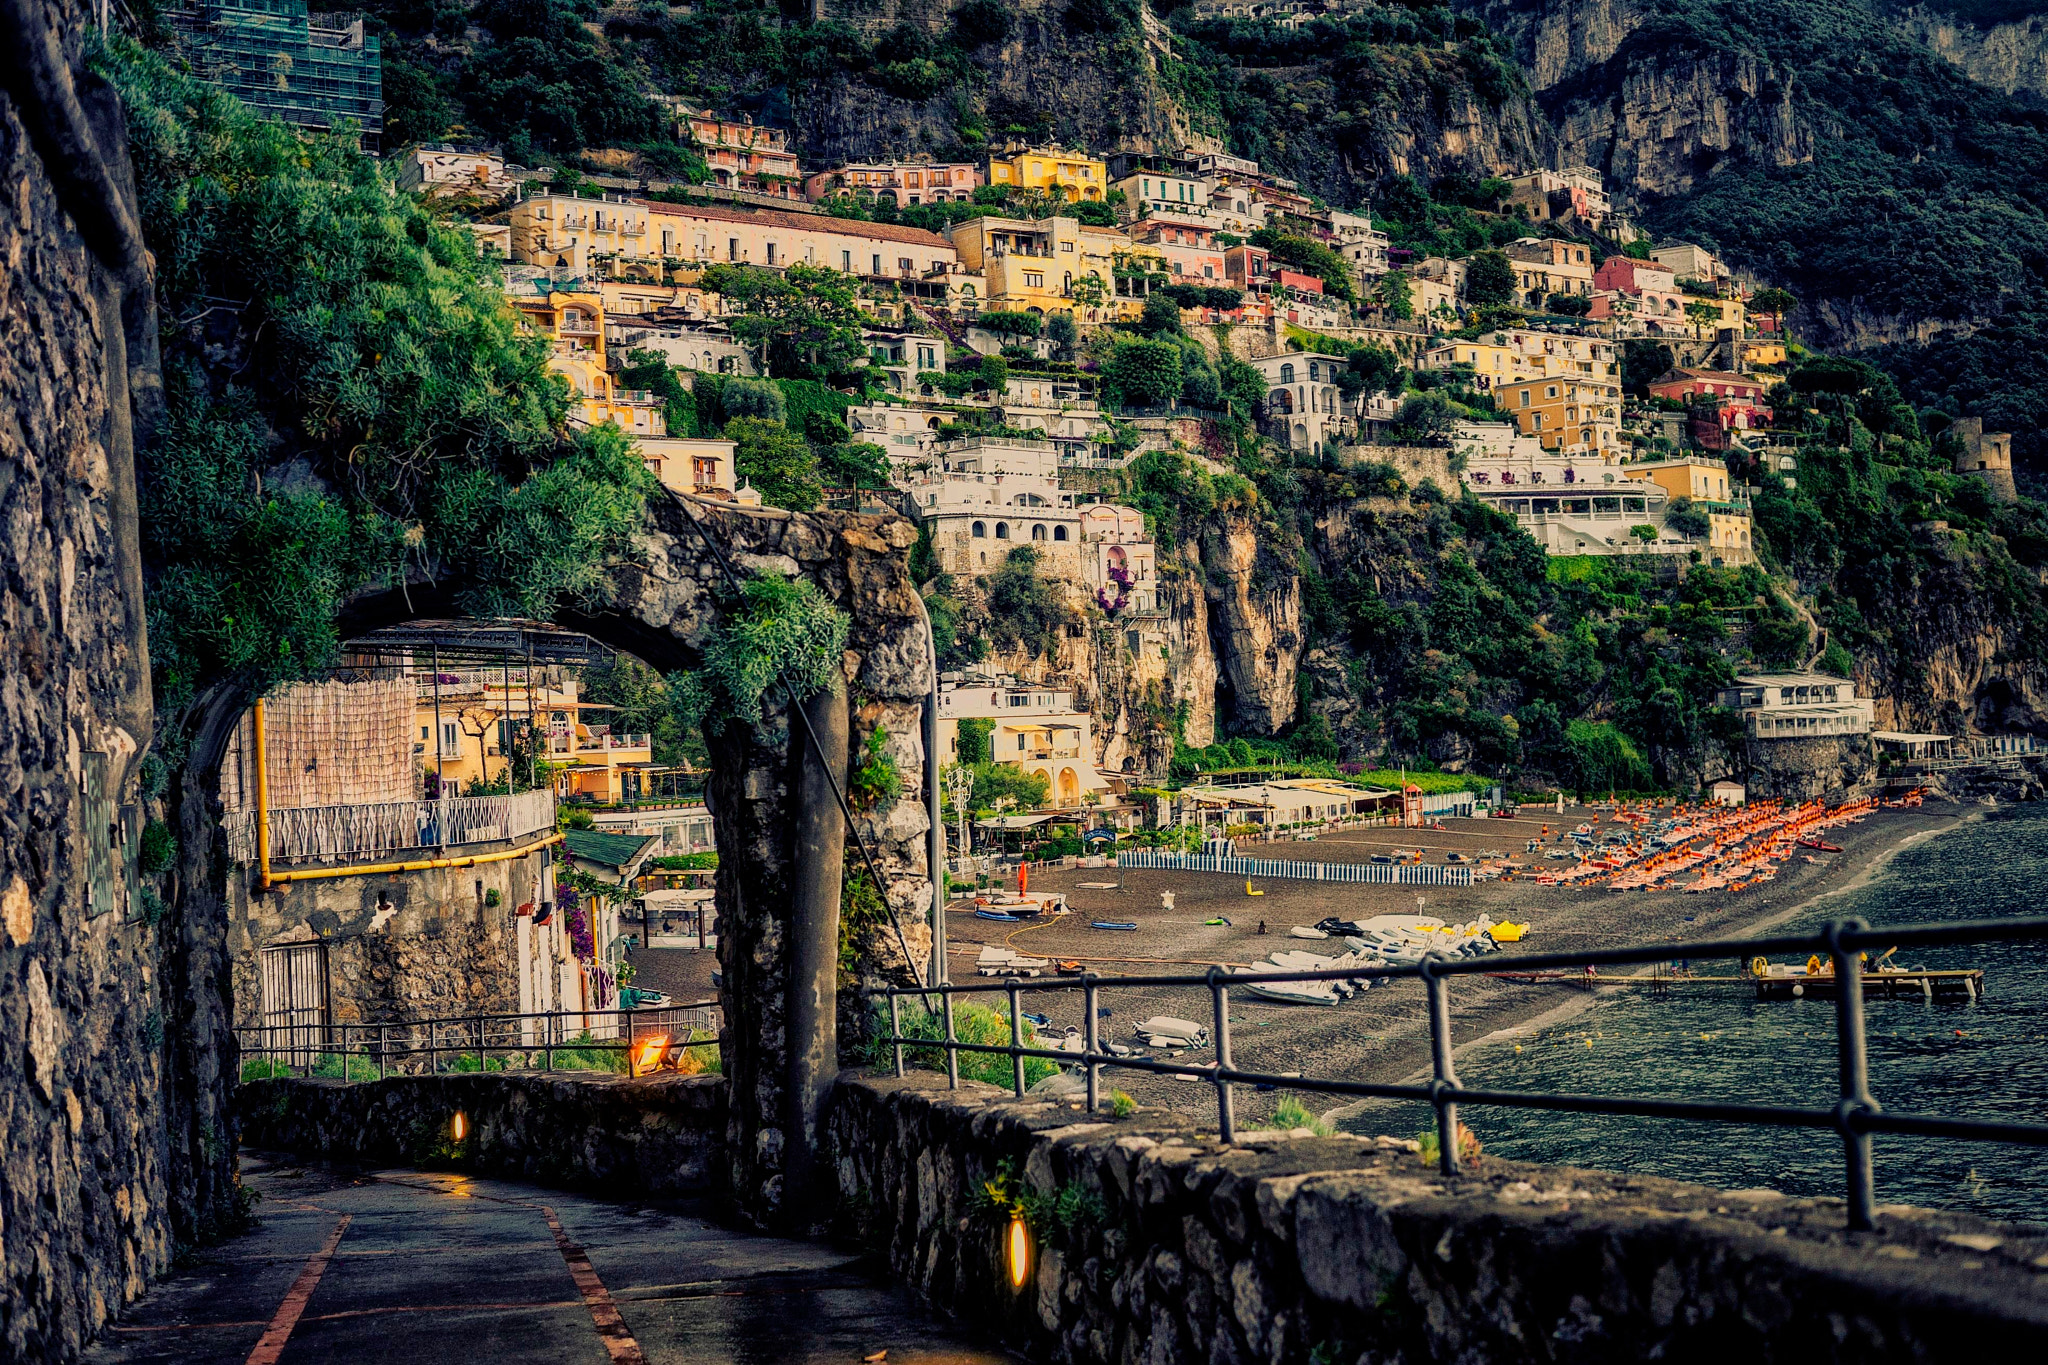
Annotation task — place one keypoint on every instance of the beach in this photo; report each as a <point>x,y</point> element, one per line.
<point>1383,1034</point>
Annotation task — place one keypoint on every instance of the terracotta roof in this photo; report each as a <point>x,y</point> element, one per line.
<point>800,222</point>
<point>1718,376</point>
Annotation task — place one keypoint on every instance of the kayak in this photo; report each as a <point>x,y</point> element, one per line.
<point>1112,924</point>
<point>994,915</point>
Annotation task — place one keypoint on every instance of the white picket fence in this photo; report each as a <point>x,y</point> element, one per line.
<point>1405,874</point>
<point>316,833</point>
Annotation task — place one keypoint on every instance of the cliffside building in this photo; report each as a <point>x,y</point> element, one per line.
<point>313,71</point>
<point>1037,729</point>
<point>1576,192</point>
<point>1986,455</point>
<point>1776,706</point>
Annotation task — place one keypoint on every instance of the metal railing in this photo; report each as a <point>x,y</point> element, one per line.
<point>313,832</point>
<point>1856,1118</point>
<point>553,1040</point>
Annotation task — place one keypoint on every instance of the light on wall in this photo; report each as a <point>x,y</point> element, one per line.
<point>1017,1252</point>
<point>459,1127</point>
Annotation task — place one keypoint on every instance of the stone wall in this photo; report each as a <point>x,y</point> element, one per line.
<point>95,1179</point>
<point>401,946</point>
<point>1154,1243</point>
<point>658,1135</point>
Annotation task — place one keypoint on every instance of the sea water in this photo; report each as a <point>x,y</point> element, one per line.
<point>1987,1060</point>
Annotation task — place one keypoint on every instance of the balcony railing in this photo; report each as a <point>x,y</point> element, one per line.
<point>313,833</point>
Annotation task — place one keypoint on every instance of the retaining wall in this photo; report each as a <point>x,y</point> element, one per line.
<point>660,1135</point>
<point>1156,1244</point>
<point>1408,874</point>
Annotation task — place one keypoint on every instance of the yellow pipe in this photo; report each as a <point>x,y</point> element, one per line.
<point>423,865</point>
<point>262,800</point>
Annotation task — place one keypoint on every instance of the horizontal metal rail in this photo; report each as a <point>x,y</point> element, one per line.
<point>1855,1118</point>
<point>531,1041</point>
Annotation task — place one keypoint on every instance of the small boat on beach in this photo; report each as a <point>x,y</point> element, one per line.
<point>1113,924</point>
<point>996,915</point>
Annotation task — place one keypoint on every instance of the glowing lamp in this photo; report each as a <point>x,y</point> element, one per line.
<point>647,1056</point>
<point>459,1127</point>
<point>1017,1252</point>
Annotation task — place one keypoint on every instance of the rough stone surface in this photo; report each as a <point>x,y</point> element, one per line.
<point>89,1191</point>
<point>653,1136</point>
<point>1178,1248</point>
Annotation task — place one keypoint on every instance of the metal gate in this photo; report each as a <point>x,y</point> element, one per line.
<point>295,1000</point>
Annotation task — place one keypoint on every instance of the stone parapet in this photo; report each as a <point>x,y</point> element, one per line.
<point>1153,1242</point>
<point>657,1135</point>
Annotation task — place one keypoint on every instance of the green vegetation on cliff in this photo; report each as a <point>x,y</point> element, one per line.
<point>349,400</point>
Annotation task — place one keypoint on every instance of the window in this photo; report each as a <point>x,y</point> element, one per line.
<point>1033,281</point>
<point>1525,398</point>
<point>1002,530</point>
<point>771,253</point>
<point>1038,532</point>
<point>732,248</point>
<point>1059,533</point>
<point>1066,246</point>
<point>1287,374</point>
<point>451,739</point>
<point>846,261</point>
<point>878,265</point>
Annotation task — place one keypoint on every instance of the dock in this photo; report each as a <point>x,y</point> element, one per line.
<point>1887,984</point>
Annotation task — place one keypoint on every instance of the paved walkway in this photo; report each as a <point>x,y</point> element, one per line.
<point>414,1266</point>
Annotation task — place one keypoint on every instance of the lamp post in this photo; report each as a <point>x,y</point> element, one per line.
<point>961,780</point>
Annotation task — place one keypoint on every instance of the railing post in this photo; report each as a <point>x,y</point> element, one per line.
<point>383,1049</point>
<point>1088,1040</point>
<point>547,1042</point>
<point>896,1029</point>
<point>1226,1111</point>
<point>1853,1051</point>
<point>483,1058</point>
<point>1446,1077</point>
<point>1017,1036</point>
<point>632,1039</point>
<point>952,1038</point>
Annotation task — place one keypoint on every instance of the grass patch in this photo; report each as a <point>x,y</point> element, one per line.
<point>1290,1113</point>
<point>327,1066</point>
<point>1430,783</point>
<point>971,1024</point>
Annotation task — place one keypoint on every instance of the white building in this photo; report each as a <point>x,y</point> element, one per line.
<point>1797,706</point>
<point>1037,729</point>
<point>1120,559</point>
<point>1570,505</point>
<point>708,347</point>
<point>989,496</point>
<point>691,464</point>
<point>443,171</point>
<point>1302,398</point>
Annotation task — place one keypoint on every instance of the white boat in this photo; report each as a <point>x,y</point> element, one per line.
<point>1286,992</point>
<point>1309,962</point>
<point>1303,931</point>
<point>1171,1032</point>
<point>999,961</point>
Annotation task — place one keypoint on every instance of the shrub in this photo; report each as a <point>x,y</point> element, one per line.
<point>971,1024</point>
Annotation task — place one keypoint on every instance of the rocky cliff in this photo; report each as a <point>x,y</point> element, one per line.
<point>2009,55</point>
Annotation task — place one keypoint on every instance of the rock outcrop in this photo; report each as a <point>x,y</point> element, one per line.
<point>2011,56</point>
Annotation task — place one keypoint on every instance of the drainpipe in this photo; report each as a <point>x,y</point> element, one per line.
<point>811,988</point>
<point>262,799</point>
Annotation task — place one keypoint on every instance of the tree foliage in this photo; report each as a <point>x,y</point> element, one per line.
<point>806,320</point>
<point>349,400</point>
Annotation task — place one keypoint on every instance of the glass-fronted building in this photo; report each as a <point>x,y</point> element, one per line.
<point>309,70</point>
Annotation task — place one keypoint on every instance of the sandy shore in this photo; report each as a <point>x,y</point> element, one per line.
<point>1382,1035</point>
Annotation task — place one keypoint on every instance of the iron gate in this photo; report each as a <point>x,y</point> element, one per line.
<point>294,1000</point>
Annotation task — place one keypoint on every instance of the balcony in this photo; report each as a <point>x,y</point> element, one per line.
<point>324,833</point>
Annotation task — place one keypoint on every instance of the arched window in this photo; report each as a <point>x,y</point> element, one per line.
<point>980,530</point>
<point>1038,531</point>
<point>1002,530</point>
<point>1287,373</point>
<point>1059,533</point>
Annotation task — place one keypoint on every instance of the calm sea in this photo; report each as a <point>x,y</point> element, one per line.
<point>1987,1060</point>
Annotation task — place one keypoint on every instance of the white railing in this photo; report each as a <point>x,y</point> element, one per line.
<point>313,833</point>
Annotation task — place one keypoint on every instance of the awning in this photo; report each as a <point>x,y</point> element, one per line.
<point>1902,737</point>
<point>1017,821</point>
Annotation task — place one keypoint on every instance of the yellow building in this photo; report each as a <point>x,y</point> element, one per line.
<point>1043,265</point>
<point>573,322</point>
<point>1074,174</point>
<point>1761,352</point>
<point>468,720</point>
<point>1705,481</point>
<point>1567,414</point>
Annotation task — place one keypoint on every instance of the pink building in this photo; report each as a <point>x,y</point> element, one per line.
<point>902,183</point>
<point>1192,256</point>
<point>1651,289</point>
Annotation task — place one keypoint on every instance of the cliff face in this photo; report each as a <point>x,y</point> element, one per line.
<point>1655,117</point>
<point>2011,57</point>
<point>1087,88</point>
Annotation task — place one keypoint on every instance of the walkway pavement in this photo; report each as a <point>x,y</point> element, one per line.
<point>412,1266</point>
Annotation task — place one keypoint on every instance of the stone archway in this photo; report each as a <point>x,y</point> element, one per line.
<point>665,605</point>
